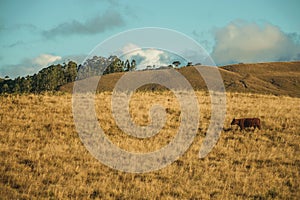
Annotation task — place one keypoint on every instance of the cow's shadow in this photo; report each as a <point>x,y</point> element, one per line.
<point>251,129</point>
<point>227,129</point>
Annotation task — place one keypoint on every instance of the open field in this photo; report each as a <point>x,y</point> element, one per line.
<point>42,156</point>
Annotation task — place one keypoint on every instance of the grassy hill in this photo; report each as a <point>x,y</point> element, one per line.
<point>42,156</point>
<point>278,78</point>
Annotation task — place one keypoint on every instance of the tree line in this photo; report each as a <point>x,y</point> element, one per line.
<point>96,66</point>
<point>54,76</point>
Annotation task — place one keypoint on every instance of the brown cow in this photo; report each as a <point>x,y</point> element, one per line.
<point>247,122</point>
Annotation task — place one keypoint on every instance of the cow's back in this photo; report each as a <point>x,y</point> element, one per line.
<point>247,122</point>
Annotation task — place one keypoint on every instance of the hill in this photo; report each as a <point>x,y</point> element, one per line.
<point>277,78</point>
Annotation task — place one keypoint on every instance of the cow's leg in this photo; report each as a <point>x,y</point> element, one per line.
<point>242,127</point>
<point>259,126</point>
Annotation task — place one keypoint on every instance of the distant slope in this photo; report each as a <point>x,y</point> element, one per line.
<point>278,78</point>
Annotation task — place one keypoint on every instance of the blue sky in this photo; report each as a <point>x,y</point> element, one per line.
<point>36,33</point>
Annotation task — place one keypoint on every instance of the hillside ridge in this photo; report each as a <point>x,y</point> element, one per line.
<point>277,78</point>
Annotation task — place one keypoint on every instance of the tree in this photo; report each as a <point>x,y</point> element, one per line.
<point>176,63</point>
<point>5,88</point>
<point>25,84</point>
<point>70,72</point>
<point>16,88</point>
<point>127,66</point>
<point>117,65</point>
<point>189,64</point>
<point>133,65</point>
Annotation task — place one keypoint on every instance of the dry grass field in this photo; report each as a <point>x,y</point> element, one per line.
<point>42,156</point>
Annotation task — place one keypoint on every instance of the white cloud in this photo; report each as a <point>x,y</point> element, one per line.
<point>242,41</point>
<point>29,66</point>
<point>45,59</point>
<point>129,47</point>
<point>148,57</point>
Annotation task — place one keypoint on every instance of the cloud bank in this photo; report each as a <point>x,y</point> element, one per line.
<point>98,24</point>
<point>17,27</point>
<point>149,57</point>
<point>29,66</point>
<point>45,59</point>
<point>242,41</point>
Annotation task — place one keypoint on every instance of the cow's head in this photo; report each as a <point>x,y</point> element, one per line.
<point>234,121</point>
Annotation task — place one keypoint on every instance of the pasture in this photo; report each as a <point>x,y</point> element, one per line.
<point>42,156</point>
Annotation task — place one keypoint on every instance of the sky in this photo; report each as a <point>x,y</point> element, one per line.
<point>36,33</point>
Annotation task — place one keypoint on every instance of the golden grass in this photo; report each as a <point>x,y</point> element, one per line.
<point>42,156</point>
